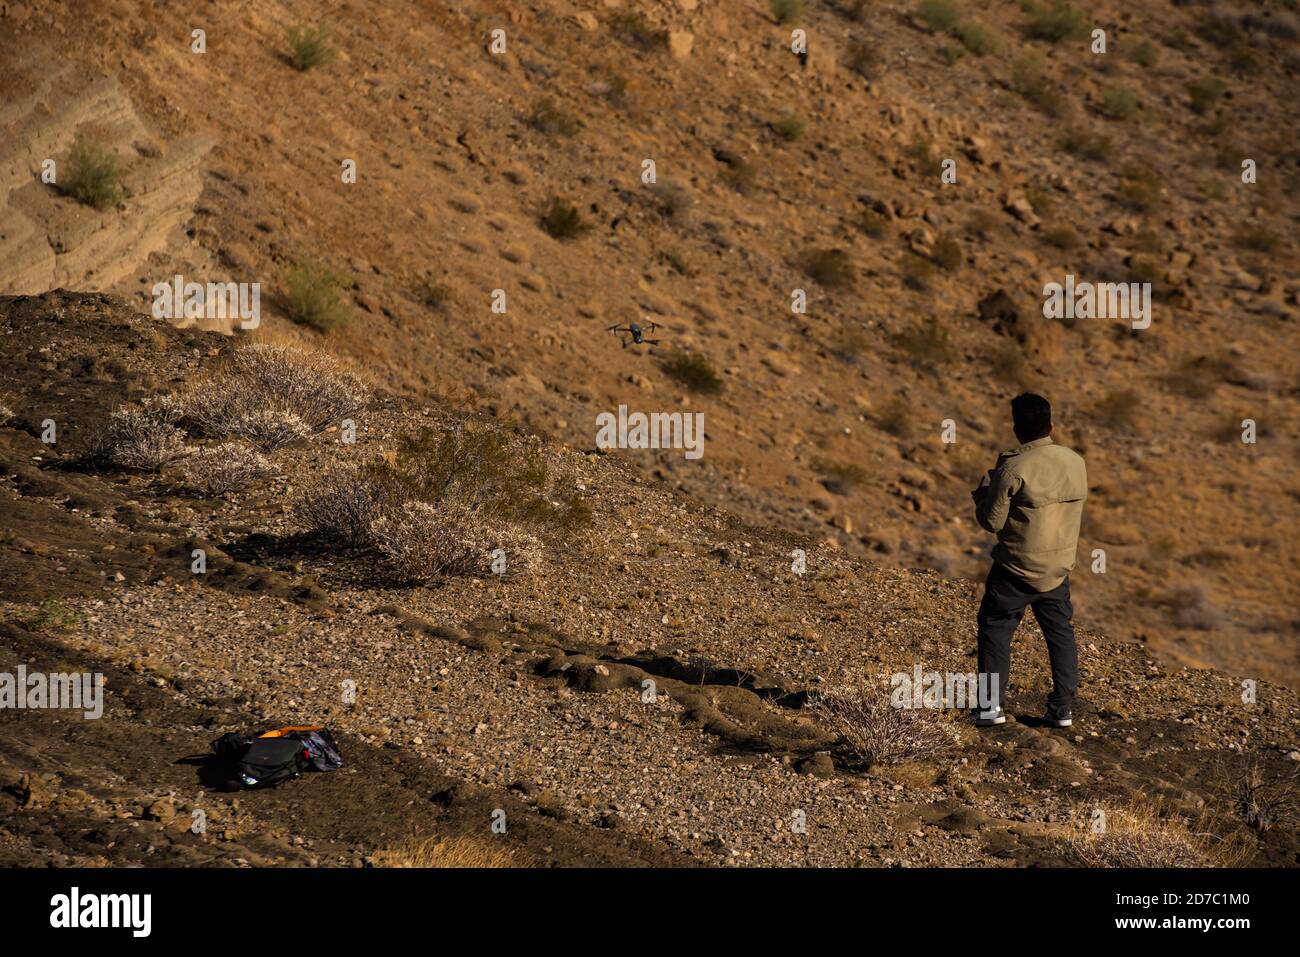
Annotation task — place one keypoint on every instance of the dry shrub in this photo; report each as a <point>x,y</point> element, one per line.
<point>547,117</point>
<point>1140,835</point>
<point>635,30</point>
<point>444,502</point>
<point>273,395</point>
<point>448,852</point>
<point>872,731</point>
<point>1266,799</point>
<point>421,542</point>
<point>1190,607</point>
<point>144,436</point>
<point>895,417</point>
<point>340,506</point>
<point>218,469</point>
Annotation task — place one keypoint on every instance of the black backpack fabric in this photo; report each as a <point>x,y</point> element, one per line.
<point>267,761</point>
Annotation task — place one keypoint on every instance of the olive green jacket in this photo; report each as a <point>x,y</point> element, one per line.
<point>1033,502</point>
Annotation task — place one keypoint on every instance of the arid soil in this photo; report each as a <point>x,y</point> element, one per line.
<point>526,694</point>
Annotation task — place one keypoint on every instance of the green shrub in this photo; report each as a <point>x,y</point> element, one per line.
<point>829,267</point>
<point>863,59</point>
<point>1139,187</point>
<point>309,46</point>
<point>855,10</point>
<point>1119,103</point>
<point>1055,21</point>
<point>1062,237</point>
<point>977,38</point>
<point>91,175</point>
<point>548,118</point>
<point>940,16</point>
<point>1256,239</point>
<point>786,11</point>
<point>633,29</point>
<point>1086,145</point>
<point>1029,79</point>
<point>982,224</point>
<point>52,614</point>
<point>562,220</point>
<point>873,224</point>
<point>311,296</point>
<point>1146,54</point>
<point>1007,363</point>
<point>1118,409</point>
<point>921,153</point>
<point>790,127</point>
<point>693,370</point>
<point>433,293</point>
<point>738,173</point>
<point>918,273</point>
<point>947,253</point>
<point>1197,377</point>
<point>1205,93</point>
<point>497,473</point>
<point>927,343</point>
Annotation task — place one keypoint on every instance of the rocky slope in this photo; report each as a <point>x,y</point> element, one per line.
<point>527,693</point>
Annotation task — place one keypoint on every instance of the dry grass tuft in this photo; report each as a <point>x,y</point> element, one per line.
<point>449,852</point>
<point>1140,835</point>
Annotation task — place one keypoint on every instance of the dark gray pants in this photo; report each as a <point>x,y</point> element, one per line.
<point>1005,598</point>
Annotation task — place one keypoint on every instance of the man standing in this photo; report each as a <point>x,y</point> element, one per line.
<point>1033,502</point>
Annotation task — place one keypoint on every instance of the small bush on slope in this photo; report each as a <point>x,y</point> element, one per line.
<point>91,175</point>
<point>311,296</point>
<point>309,46</point>
<point>873,732</point>
<point>444,503</point>
<point>223,468</point>
<point>143,437</point>
<point>272,395</point>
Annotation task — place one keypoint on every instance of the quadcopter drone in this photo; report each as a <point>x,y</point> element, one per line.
<point>637,332</point>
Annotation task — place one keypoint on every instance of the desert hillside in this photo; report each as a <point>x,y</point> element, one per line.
<point>841,257</point>
<point>772,174</point>
<point>648,689</point>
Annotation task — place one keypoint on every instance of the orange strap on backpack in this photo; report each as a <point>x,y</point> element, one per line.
<point>281,732</point>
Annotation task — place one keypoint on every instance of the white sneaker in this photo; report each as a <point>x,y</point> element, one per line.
<point>987,719</point>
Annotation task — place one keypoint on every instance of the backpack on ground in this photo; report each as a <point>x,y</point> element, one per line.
<point>277,755</point>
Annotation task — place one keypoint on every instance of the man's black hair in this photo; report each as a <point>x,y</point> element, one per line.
<point>1032,416</point>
